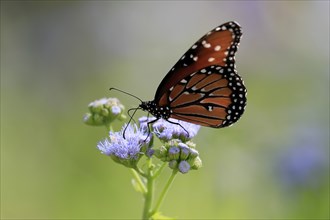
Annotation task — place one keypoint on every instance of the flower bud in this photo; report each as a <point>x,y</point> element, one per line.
<point>196,163</point>
<point>161,153</point>
<point>88,118</point>
<point>104,112</point>
<point>173,164</point>
<point>174,153</point>
<point>193,153</point>
<point>191,144</point>
<point>150,152</point>
<point>184,167</point>
<point>184,151</point>
<point>115,110</point>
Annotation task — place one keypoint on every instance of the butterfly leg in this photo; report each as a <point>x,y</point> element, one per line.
<point>131,119</point>
<point>176,123</point>
<point>149,123</point>
<point>131,116</point>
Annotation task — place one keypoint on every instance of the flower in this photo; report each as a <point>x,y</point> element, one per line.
<point>128,150</point>
<point>302,165</point>
<point>174,129</point>
<point>167,130</point>
<point>143,122</point>
<point>104,111</point>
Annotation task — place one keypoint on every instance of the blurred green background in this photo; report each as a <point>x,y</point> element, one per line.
<point>57,56</point>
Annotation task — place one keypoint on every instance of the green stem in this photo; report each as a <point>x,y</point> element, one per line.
<point>139,181</point>
<point>148,197</point>
<point>139,171</point>
<point>108,127</point>
<point>160,169</point>
<point>163,193</point>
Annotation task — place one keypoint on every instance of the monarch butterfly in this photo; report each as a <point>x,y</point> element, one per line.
<point>203,87</point>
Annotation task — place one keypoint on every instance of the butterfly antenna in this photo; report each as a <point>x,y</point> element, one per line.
<point>119,90</point>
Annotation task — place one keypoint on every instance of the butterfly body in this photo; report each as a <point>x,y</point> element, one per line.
<point>204,87</point>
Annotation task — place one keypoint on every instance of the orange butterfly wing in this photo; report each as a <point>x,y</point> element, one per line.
<point>203,87</point>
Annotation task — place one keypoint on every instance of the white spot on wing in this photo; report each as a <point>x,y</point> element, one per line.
<point>193,74</point>
<point>217,48</point>
<point>206,44</point>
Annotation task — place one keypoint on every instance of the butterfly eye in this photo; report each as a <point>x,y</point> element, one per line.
<point>203,87</point>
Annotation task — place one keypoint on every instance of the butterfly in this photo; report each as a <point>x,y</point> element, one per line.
<point>203,87</point>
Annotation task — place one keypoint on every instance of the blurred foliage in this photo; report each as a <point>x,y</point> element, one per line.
<point>57,56</point>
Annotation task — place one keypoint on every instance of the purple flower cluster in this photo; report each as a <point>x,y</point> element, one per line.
<point>126,150</point>
<point>178,150</point>
<point>174,129</point>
